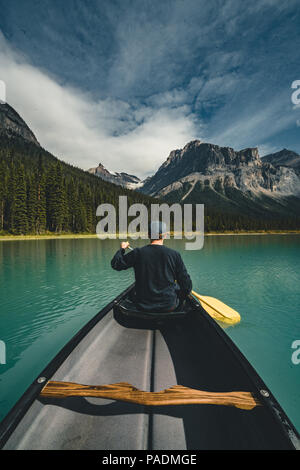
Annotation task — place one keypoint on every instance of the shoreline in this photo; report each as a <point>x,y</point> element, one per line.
<point>83,236</point>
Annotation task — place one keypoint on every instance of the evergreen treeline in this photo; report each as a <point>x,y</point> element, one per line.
<point>39,193</point>
<point>216,222</point>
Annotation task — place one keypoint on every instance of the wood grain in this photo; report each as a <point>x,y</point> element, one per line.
<point>176,395</point>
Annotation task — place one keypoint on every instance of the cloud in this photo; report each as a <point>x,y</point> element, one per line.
<point>73,126</point>
<point>255,122</point>
<point>124,83</point>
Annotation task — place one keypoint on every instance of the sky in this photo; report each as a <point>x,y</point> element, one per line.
<point>124,82</point>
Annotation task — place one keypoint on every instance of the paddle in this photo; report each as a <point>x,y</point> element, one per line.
<point>215,308</point>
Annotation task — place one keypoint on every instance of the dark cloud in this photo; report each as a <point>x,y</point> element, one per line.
<point>225,66</point>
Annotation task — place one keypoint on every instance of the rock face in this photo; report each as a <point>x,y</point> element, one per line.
<point>12,125</point>
<point>223,167</point>
<point>121,179</point>
<point>285,158</point>
<point>229,180</point>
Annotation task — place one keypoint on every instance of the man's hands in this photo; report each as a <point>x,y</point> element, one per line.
<point>125,245</point>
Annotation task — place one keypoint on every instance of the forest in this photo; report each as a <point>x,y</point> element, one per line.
<point>40,194</point>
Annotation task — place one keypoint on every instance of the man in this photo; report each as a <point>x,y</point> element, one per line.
<point>161,279</point>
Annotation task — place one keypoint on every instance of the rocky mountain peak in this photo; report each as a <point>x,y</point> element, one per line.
<point>205,165</point>
<point>284,158</point>
<point>121,179</point>
<point>201,157</point>
<point>102,170</point>
<point>193,144</point>
<point>12,125</point>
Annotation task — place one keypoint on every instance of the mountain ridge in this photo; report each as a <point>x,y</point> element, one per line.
<point>284,157</point>
<point>235,182</point>
<point>232,181</point>
<point>243,169</point>
<point>121,179</point>
<point>39,192</point>
<point>12,125</point>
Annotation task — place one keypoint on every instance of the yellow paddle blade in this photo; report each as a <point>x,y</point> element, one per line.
<point>217,309</point>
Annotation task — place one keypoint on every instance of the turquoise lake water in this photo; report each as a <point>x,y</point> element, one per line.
<point>50,288</point>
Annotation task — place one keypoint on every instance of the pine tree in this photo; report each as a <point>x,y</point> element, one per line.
<point>31,203</point>
<point>90,210</point>
<point>3,192</point>
<point>9,209</point>
<point>40,222</point>
<point>56,199</point>
<point>20,221</point>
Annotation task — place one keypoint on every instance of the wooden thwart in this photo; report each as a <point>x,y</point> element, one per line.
<point>176,395</point>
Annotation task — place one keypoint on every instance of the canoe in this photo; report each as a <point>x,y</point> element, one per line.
<point>169,382</point>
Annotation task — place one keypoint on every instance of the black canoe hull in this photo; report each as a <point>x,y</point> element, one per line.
<point>192,351</point>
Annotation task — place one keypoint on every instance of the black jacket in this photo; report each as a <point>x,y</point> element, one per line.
<point>156,269</point>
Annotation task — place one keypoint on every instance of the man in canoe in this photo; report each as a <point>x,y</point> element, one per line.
<point>161,280</point>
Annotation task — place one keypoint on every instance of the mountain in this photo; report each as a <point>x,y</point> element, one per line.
<point>233,182</point>
<point>12,125</point>
<point>241,191</point>
<point>121,179</point>
<point>39,193</point>
<point>286,158</point>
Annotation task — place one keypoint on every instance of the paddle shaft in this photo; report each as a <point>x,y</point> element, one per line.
<point>195,294</point>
